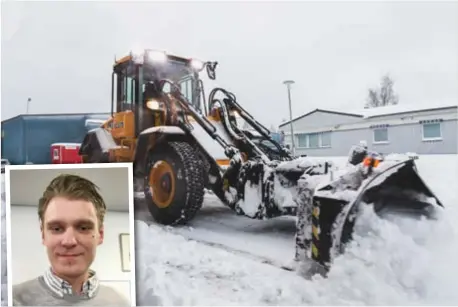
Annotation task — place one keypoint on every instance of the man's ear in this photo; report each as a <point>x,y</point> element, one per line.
<point>101,234</point>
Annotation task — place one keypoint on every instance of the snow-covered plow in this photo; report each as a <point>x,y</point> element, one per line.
<point>329,209</point>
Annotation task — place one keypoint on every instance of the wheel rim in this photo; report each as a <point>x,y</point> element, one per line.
<point>162,184</point>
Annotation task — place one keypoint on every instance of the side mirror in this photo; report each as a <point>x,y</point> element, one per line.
<point>211,67</point>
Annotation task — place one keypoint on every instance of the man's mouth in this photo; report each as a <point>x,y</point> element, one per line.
<point>68,255</point>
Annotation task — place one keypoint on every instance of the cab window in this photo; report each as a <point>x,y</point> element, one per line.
<point>128,89</point>
<point>186,88</point>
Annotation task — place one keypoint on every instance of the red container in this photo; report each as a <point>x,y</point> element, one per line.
<point>65,153</point>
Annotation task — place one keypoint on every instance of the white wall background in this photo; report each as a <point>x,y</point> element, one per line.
<point>27,185</point>
<point>28,255</point>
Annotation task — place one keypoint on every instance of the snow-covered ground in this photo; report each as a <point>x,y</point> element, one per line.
<point>4,291</point>
<point>223,259</point>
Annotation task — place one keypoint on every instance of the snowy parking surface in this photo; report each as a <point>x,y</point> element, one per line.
<point>218,259</point>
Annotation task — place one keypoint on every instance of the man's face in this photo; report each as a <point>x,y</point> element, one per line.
<point>71,234</point>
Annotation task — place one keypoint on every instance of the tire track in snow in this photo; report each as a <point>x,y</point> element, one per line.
<point>226,248</point>
<point>221,218</point>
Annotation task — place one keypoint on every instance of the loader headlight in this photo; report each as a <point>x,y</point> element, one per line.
<point>197,64</point>
<point>157,56</point>
<point>153,104</point>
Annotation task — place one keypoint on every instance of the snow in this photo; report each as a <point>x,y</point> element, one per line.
<point>250,204</point>
<point>233,260</point>
<point>284,196</point>
<point>164,129</point>
<point>300,163</point>
<point>105,139</point>
<point>400,108</point>
<point>4,291</point>
<point>224,259</point>
<point>386,110</point>
<point>210,144</point>
<point>98,122</point>
<point>66,144</point>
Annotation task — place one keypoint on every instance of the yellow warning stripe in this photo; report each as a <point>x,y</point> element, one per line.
<point>316,212</point>
<point>314,251</point>
<point>315,231</point>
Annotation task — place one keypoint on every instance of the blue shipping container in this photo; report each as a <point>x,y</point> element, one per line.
<point>28,138</point>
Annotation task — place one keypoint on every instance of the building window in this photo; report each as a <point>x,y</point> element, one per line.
<point>325,139</point>
<point>314,140</point>
<point>381,135</point>
<point>302,140</point>
<point>432,131</point>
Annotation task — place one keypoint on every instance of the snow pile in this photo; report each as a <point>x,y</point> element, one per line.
<point>399,261</point>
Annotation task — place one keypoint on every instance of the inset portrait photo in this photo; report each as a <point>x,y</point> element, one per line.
<point>70,235</point>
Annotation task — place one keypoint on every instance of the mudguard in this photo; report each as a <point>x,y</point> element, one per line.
<point>393,186</point>
<point>151,136</point>
<point>96,146</point>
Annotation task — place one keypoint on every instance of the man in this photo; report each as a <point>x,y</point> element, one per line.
<point>71,213</point>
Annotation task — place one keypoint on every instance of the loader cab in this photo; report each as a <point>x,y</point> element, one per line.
<point>135,80</point>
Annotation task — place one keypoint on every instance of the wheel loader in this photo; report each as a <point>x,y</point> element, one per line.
<point>182,144</point>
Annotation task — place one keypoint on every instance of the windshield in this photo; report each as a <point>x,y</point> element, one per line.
<point>172,70</point>
<point>175,71</point>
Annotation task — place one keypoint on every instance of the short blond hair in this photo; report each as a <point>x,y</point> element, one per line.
<point>73,187</point>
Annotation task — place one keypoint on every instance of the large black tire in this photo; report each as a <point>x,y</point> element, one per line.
<point>182,171</point>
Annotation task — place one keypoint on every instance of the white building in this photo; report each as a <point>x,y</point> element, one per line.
<point>398,128</point>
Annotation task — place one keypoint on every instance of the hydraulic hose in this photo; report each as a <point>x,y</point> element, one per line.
<point>231,99</point>
<point>202,120</point>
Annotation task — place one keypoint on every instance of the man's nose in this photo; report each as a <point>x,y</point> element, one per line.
<point>69,238</point>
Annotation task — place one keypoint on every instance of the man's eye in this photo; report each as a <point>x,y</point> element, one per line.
<point>85,228</point>
<point>55,228</point>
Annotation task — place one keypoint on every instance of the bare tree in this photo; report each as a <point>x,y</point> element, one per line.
<point>383,96</point>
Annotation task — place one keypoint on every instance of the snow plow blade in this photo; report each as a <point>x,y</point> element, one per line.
<point>390,186</point>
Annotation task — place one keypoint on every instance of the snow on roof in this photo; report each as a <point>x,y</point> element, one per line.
<point>399,108</point>
<point>94,121</point>
<point>65,144</point>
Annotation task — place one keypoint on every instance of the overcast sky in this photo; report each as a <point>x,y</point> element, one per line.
<point>61,53</point>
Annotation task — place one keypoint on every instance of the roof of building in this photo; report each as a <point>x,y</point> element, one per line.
<point>54,115</point>
<point>323,111</point>
<point>402,109</point>
<point>382,111</point>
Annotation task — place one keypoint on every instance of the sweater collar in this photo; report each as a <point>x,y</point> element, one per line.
<point>62,288</point>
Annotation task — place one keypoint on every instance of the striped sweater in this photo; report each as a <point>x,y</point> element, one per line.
<point>50,290</point>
